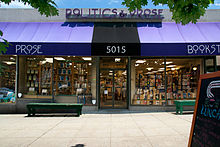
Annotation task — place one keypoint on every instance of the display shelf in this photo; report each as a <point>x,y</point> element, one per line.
<point>71,77</point>
<point>45,86</point>
<point>8,77</point>
<point>181,84</point>
<point>32,77</point>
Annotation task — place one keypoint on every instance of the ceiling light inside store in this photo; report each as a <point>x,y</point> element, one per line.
<point>12,58</point>
<point>90,63</point>
<point>50,60</point>
<point>9,63</point>
<point>117,59</point>
<point>194,68</point>
<point>149,68</point>
<point>136,64</point>
<point>59,58</point>
<point>87,58</point>
<point>161,69</point>
<point>173,68</point>
<point>167,62</point>
<point>110,71</point>
<point>171,65</point>
<point>140,61</point>
<point>150,73</point>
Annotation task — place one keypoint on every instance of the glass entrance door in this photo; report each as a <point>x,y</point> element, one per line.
<point>113,88</point>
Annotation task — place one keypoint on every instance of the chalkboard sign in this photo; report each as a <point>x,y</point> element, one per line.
<point>205,130</point>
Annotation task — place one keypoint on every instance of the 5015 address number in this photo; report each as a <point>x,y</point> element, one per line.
<point>116,49</point>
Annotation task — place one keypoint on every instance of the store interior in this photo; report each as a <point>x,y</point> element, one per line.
<point>45,76</point>
<point>157,80</point>
<point>7,79</point>
<point>73,79</point>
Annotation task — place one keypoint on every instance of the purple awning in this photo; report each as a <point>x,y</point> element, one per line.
<point>86,39</point>
<point>55,32</point>
<point>169,32</point>
<point>171,39</point>
<point>48,38</point>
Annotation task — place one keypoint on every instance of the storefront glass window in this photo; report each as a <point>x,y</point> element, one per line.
<point>75,76</point>
<point>151,88</point>
<point>7,79</point>
<point>68,78</point>
<point>35,76</point>
<point>182,78</point>
<point>149,82</point>
<point>210,64</point>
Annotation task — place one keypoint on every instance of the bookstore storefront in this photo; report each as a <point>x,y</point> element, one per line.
<point>106,65</point>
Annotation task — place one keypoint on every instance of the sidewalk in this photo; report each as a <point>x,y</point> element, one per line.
<point>105,128</point>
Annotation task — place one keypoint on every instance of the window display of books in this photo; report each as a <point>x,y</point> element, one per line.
<point>63,78</point>
<point>181,84</point>
<point>71,78</point>
<point>46,79</point>
<point>32,78</point>
<point>150,89</point>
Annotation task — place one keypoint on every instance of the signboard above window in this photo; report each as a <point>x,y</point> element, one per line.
<point>113,13</point>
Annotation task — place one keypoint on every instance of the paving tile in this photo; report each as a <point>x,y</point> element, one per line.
<point>151,124</point>
<point>60,133</point>
<point>52,142</point>
<point>129,125</point>
<point>15,142</point>
<point>168,141</point>
<point>182,129</point>
<point>97,126</point>
<point>91,142</point>
<point>126,133</point>
<point>94,133</point>
<point>101,128</point>
<point>159,131</point>
<point>4,133</point>
<point>64,126</point>
<point>26,133</point>
<point>130,142</point>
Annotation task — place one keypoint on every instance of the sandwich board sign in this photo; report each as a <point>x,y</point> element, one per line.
<point>205,129</point>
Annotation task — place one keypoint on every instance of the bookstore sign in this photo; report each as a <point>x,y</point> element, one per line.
<point>107,13</point>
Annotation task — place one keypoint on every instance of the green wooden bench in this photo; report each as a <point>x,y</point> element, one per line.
<point>31,107</point>
<point>181,103</point>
